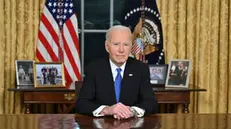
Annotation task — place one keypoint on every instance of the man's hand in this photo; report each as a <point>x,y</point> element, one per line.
<point>119,111</point>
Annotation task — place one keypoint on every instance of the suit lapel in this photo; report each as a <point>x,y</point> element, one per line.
<point>109,80</point>
<point>126,81</point>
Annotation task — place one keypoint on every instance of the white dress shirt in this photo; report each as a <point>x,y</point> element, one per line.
<point>96,113</point>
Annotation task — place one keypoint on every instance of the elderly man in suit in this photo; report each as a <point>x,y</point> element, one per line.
<point>117,85</point>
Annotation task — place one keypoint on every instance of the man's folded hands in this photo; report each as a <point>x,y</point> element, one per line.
<point>118,111</point>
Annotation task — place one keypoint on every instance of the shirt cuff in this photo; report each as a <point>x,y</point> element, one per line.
<point>97,111</point>
<point>140,112</point>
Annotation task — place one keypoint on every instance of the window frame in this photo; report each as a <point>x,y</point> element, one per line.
<point>82,30</point>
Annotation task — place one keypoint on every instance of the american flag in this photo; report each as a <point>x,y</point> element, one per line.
<point>137,46</point>
<point>58,38</point>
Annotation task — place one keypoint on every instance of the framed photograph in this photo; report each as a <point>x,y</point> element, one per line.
<point>178,73</point>
<point>48,75</point>
<point>158,74</point>
<point>24,72</point>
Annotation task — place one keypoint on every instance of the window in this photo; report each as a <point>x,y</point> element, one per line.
<point>95,17</point>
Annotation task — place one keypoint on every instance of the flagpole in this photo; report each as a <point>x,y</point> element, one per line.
<point>142,55</point>
<point>60,47</point>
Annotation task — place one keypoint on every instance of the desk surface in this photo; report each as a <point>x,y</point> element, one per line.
<point>71,121</point>
<point>155,89</point>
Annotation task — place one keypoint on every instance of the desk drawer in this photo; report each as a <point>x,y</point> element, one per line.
<point>173,97</point>
<point>49,97</point>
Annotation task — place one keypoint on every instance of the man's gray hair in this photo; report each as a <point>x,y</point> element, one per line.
<point>117,27</point>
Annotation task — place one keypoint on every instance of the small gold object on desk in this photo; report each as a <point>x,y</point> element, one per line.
<point>69,96</point>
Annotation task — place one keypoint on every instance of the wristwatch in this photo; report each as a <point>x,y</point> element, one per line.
<point>133,112</point>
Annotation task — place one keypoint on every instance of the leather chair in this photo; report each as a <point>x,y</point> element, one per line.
<point>78,85</point>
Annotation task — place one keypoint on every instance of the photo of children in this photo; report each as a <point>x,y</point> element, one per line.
<point>24,72</point>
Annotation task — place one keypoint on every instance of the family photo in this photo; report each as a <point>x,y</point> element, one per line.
<point>24,72</point>
<point>178,73</point>
<point>48,74</point>
<point>158,73</point>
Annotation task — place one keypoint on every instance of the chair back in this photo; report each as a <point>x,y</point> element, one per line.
<point>78,85</point>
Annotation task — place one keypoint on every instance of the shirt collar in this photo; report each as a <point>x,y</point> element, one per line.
<point>114,67</point>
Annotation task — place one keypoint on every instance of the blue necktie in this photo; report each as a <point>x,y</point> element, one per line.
<point>118,81</point>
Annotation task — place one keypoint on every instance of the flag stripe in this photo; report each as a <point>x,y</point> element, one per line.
<point>50,29</point>
<point>135,49</point>
<point>72,43</point>
<point>70,69</point>
<point>39,56</point>
<point>74,20</point>
<point>73,33</point>
<point>47,46</point>
<point>49,38</point>
<point>68,77</point>
<point>43,51</point>
<point>70,57</point>
<point>51,20</point>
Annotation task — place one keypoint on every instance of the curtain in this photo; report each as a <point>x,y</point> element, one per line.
<point>18,37</point>
<point>198,30</point>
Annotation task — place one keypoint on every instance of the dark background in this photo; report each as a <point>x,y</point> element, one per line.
<point>97,16</point>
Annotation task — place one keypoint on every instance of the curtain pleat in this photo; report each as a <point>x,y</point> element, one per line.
<point>2,54</point>
<point>223,58</point>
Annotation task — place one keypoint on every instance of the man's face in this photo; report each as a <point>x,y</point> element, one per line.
<point>154,71</point>
<point>119,46</point>
<point>159,71</point>
<point>180,63</point>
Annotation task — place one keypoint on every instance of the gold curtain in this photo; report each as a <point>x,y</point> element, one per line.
<point>198,30</point>
<point>19,21</point>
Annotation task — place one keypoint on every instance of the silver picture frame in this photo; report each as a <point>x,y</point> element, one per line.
<point>178,73</point>
<point>158,74</point>
<point>24,72</point>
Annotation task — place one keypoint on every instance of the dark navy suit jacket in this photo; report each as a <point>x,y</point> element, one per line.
<point>98,87</point>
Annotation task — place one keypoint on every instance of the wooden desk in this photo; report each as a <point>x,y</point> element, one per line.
<point>66,96</point>
<point>72,121</point>
<point>175,95</point>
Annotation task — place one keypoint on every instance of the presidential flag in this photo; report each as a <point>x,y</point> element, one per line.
<point>58,39</point>
<point>143,17</point>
